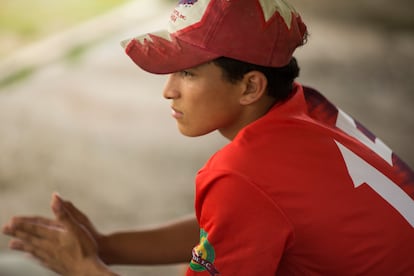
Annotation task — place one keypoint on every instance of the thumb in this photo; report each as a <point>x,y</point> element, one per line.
<point>75,212</point>
<point>59,203</point>
<point>61,214</point>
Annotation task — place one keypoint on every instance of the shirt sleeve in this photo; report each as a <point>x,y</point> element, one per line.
<point>243,232</point>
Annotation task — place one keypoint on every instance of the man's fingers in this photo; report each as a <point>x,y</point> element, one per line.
<point>39,221</point>
<point>71,208</point>
<point>42,221</point>
<point>35,250</point>
<point>20,245</point>
<point>16,245</point>
<point>76,215</point>
<point>24,236</point>
<point>26,230</point>
<point>9,227</point>
<point>63,216</point>
<point>6,229</point>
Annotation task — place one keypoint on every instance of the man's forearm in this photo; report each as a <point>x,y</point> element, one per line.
<point>171,243</point>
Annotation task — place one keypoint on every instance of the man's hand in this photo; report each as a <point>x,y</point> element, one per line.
<point>65,245</point>
<point>82,219</point>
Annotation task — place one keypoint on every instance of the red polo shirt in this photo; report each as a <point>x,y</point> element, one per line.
<point>304,190</point>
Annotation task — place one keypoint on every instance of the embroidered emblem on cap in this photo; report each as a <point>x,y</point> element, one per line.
<point>187,13</point>
<point>187,2</point>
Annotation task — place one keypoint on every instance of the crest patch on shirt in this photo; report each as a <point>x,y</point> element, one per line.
<point>203,256</point>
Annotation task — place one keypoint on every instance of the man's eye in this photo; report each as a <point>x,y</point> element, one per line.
<point>186,74</point>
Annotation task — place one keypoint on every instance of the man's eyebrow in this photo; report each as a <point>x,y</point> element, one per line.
<point>197,67</point>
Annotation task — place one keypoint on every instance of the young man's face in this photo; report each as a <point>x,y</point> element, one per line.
<point>203,101</point>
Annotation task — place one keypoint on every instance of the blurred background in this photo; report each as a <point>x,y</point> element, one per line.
<point>78,117</point>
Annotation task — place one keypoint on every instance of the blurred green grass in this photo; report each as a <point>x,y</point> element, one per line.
<point>24,21</point>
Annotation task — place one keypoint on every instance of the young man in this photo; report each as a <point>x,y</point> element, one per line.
<point>301,189</point>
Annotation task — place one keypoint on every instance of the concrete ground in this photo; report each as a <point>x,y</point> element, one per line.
<point>97,130</point>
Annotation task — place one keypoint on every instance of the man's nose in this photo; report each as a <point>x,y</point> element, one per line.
<point>171,90</point>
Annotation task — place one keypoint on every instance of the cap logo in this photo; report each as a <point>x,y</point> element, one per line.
<point>283,8</point>
<point>187,13</point>
<point>187,2</point>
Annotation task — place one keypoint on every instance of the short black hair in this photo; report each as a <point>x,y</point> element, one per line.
<point>279,79</point>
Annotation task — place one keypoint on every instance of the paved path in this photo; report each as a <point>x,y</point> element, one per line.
<point>97,130</point>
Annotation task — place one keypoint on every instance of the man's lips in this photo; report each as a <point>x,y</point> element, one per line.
<point>176,113</point>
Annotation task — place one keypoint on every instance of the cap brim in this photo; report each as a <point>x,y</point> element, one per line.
<point>163,53</point>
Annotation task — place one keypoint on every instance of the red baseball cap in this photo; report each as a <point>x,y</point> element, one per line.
<point>262,32</point>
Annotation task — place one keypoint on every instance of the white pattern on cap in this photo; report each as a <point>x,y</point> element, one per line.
<point>284,9</point>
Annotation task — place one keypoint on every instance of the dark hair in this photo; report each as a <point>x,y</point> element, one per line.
<point>279,79</point>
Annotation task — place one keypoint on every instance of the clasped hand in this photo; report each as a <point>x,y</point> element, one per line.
<point>66,244</point>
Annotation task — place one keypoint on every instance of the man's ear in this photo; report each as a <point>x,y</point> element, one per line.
<point>255,85</point>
